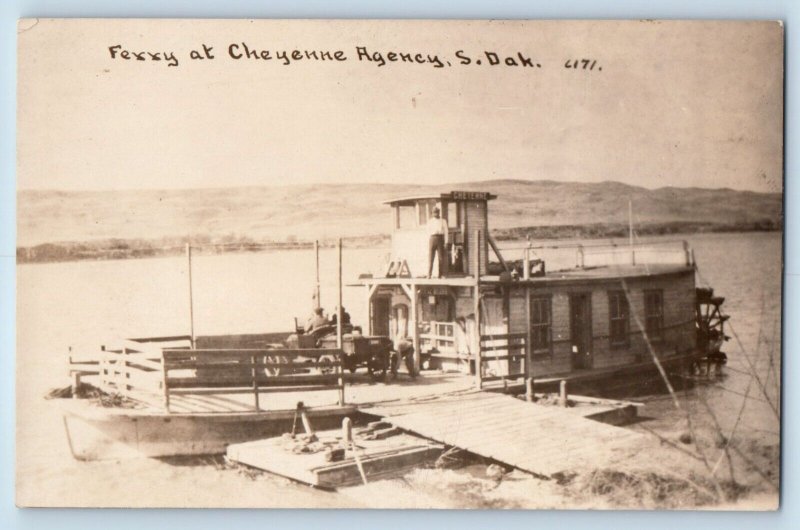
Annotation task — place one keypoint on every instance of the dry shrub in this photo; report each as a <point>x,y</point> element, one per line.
<point>647,489</point>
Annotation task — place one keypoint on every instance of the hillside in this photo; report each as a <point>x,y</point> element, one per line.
<point>298,213</point>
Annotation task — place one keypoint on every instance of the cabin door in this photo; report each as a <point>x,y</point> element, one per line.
<point>381,311</point>
<point>580,325</point>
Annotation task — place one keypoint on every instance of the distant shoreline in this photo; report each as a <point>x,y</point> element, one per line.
<point>115,249</point>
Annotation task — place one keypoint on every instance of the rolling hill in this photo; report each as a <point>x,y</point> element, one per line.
<point>300,213</point>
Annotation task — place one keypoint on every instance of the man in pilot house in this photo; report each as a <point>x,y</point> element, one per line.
<point>438,233</point>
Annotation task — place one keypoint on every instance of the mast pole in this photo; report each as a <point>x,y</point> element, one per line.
<point>630,223</point>
<point>630,231</point>
<point>318,302</point>
<point>339,311</point>
<point>191,299</point>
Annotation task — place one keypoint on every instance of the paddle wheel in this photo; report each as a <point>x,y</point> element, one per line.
<point>710,322</point>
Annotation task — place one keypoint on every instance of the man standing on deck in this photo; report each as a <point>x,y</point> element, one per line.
<point>438,233</point>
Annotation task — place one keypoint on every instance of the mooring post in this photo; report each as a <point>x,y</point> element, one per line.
<point>76,385</point>
<point>254,375</point>
<point>307,424</point>
<point>562,398</point>
<point>191,301</point>
<point>165,379</point>
<point>347,431</point>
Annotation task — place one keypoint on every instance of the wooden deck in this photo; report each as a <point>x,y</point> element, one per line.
<point>360,391</point>
<point>539,439</point>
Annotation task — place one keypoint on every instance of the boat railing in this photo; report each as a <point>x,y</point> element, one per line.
<point>144,371</point>
<point>439,337</point>
<point>251,371</point>
<point>566,255</point>
<point>502,357</point>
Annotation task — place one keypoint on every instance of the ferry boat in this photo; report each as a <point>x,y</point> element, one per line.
<point>469,316</point>
<point>615,310</point>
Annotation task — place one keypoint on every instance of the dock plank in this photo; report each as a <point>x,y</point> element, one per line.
<point>540,439</point>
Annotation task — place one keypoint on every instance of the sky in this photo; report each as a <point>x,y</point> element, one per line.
<point>665,104</point>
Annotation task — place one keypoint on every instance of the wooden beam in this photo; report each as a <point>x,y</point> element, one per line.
<point>490,239</point>
<point>408,288</point>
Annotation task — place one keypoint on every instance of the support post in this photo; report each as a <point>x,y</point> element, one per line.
<point>581,257</point>
<point>415,328</point>
<point>477,309</point>
<point>191,298</point>
<point>528,347</point>
<point>339,314</point>
<point>686,253</point>
<point>562,396</point>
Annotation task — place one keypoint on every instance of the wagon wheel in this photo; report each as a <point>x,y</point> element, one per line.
<point>377,367</point>
<point>326,364</point>
<point>349,363</point>
<point>710,324</point>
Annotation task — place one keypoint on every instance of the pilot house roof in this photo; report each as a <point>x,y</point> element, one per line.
<point>449,196</point>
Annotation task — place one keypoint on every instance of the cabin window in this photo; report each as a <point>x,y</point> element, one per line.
<point>452,215</point>
<point>541,325</point>
<point>654,314</point>
<point>405,217</point>
<point>618,312</point>
<point>422,208</point>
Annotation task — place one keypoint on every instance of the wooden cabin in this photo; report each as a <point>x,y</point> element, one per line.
<point>502,320</point>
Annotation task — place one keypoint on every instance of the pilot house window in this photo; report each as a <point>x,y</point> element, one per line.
<point>654,314</point>
<point>618,318</point>
<point>541,325</point>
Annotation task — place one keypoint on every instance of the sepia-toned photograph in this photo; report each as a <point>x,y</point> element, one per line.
<point>399,264</point>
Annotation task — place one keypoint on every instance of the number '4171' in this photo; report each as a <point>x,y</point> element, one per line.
<point>582,64</point>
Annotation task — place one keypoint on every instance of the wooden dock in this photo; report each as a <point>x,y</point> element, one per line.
<point>540,439</point>
<point>376,458</point>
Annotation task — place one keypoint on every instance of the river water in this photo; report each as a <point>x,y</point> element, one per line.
<point>81,304</point>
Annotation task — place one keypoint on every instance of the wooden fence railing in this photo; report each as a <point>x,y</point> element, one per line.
<point>252,371</point>
<point>506,353</point>
<point>153,370</point>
